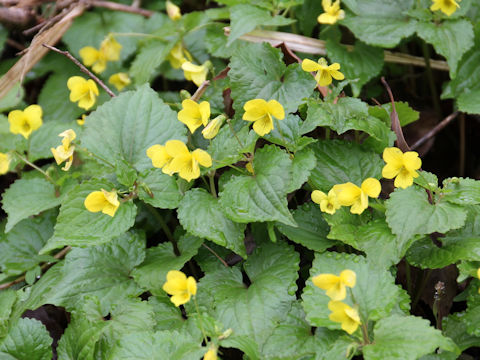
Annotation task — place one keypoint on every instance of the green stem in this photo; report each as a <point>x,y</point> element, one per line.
<point>35,167</point>
<point>211,178</point>
<point>132,34</point>
<point>408,271</point>
<point>235,134</point>
<point>327,133</point>
<point>200,320</point>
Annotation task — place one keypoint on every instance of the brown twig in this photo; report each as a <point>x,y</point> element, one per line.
<point>15,44</point>
<point>216,255</point>
<point>45,23</point>
<point>44,267</point>
<point>401,143</point>
<point>435,130</point>
<point>201,89</point>
<point>82,68</point>
<point>121,7</point>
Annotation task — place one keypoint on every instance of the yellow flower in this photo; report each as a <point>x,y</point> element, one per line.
<point>180,287</point>
<point>104,201</point>
<point>25,122</point>
<point>401,166</point>
<point>110,48</point>
<point>478,272</point>
<point>193,115</point>
<point>448,7</point>
<point>332,13</point>
<point>173,11</point>
<point>336,285</point>
<point>351,195</point>
<point>4,163</point>
<point>119,80</point>
<point>260,112</point>
<point>210,354</point>
<point>160,157</point>
<point>325,72</point>
<point>195,73</point>
<point>345,315</point>
<point>82,120</point>
<point>64,152</point>
<point>94,58</point>
<point>328,203</point>
<point>83,91</point>
<point>176,57</point>
<point>186,163</point>
<point>211,130</point>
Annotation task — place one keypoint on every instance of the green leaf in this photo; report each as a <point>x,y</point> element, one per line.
<point>340,161</point>
<point>258,72</point>
<point>406,114</point>
<point>287,133</point>
<point>409,213</point>
<point>7,300</point>
<point>103,271</point>
<point>455,328</point>
<point>375,291</point>
<point>19,249</point>
<point>444,38</point>
<point>167,315</point>
<point>380,23</point>
<point>201,215</point>
<point>55,101</point>
<point>374,238</point>
<point>405,338</point>
<point>27,197</point>
<point>361,62</point>
<point>245,18</point>
<point>92,27</point>
<point>462,191</point>
<point>312,230</point>
<point>456,245</point>
<point>261,197</point>
<point>170,345</point>
<point>272,271</point>
<point>126,126</point>
<point>467,102</point>
<point>303,162</point>
<point>150,56</point>
<point>13,97</point>
<point>216,41</point>
<point>226,148</point>
<point>348,114</point>
<point>152,273</point>
<point>27,339</point>
<point>71,228</point>
<point>126,175</point>
<point>158,189</point>
<point>293,339</point>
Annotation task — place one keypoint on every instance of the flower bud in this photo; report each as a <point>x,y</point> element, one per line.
<point>211,130</point>
<point>173,11</point>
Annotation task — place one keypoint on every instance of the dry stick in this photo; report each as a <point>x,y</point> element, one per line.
<point>120,7</point>
<point>216,255</point>
<point>198,94</point>
<point>44,267</point>
<point>435,130</point>
<point>83,68</point>
<point>45,23</point>
<point>402,144</point>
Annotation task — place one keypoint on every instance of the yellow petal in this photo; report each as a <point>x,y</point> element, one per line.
<point>211,130</point>
<point>4,163</point>
<point>95,201</point>
<point>159,155</point>
<point>411,160</point>
<point>186,167</point>
<point>176,148</point>
<point>347,194</point>
<point>204,109</point>
<point>210,355</point>
<point>393,156</point>
<point>309,65</point>
<point>348,277</point>
<point>89,55</point>
<point>318,196</point>
<point>325,281</point>
<point>173,11</point>
<point>263,125</point>
<point>323,78</point>
<point>389,171</point>
<point>403,180</point>
<point>110,48</point>
<point>371,187</point>
<point>119,80</point>
<point>255,109</point>
<point>478,273</point>
<point>337,75</point>
<point>327,18</point>
<point>202,157</point>
<point>276,109</point>
<point>180,299</point>
<point>191,285</point>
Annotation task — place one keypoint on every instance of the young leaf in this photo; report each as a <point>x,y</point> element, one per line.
<point>462,191</point>
<point>287,133</point>
<point>405,338</point>
<point>126,126</point>
<point>158,189</point>
<point>201,215</point>
<point>262,196</point>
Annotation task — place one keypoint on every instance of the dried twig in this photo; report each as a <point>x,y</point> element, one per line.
<point>82,68</point>
<point>435,130</point>
<point>121,7</point>
<point>44,267</point>
<point>201,89</point>
<point>401,143</point>
<point>216,255</point>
